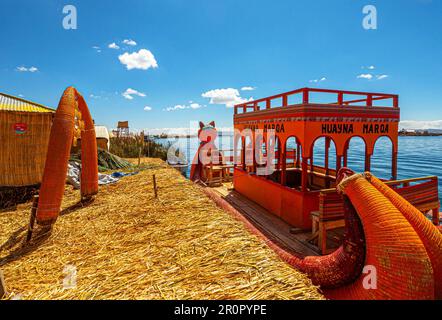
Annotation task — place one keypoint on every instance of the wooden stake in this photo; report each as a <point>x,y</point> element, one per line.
<point>2,285</point>
<point>32,219</point>
<point>140,147</point>
<point>155,186</point>
<point>139,156</point>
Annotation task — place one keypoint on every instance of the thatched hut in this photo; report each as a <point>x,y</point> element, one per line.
<point>103,139</point>
<point>24,137</point>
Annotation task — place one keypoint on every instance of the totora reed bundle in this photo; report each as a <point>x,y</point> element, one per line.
<point>129,245</point>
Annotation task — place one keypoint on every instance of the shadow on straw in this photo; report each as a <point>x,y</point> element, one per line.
<point>81,204</point>
<point>40,236</point>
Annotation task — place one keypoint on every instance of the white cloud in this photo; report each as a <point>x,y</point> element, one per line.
<point>143,59</point>
<point>229,97</point>
<point>129,93</point>
<point>93,96</point>
<point>248,88</point>
<point>113,45</point>
<point>421,124</point>
<point>147,108</point>
<point>195,106</point>
<point>129,42</point>
<point>382,76</point>
<point>176,107</point>
<point>318,80</point>
<point>192,105</point>
<point>97,49</point>
<point>25,69</point>
<point>367,76</point>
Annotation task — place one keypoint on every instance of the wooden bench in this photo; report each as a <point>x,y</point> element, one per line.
<point>330,216</point>
<point>424,195</point>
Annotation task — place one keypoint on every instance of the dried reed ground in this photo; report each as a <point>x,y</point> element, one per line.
<point>128,245</point>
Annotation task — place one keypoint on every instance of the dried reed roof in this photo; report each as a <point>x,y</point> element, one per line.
<point>11,103</point>
<point>101,132</point>
<point>129,245</point>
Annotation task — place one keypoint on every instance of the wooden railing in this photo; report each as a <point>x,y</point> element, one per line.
<point>424,196</point>
<point>306,98</point>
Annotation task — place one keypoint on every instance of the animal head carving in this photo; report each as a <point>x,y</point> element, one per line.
<point>207,133</point>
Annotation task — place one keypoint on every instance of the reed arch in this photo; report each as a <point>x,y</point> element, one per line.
<point>72,120</point>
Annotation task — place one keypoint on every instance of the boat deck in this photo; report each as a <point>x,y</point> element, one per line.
<point>291,239</point>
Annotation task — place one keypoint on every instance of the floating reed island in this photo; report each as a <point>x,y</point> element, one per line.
<point>127,244</point>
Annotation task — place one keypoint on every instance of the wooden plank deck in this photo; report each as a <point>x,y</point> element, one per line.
<point>273,227</point>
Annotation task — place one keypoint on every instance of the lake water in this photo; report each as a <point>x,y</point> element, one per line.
<point>417,157</point>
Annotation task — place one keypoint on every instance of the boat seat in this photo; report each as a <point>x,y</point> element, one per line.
<point>329,216</point>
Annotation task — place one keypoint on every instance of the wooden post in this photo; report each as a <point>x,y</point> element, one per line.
<point>2,285</point>
<point>268,104</point>
<point>305,97</point>
<point>338,163</point>
<point>243,153</point>
<point>298,154</point>
<point>284,101</point>
<point>367,162</point>
<point>326,161</point>
<point>394,166</point>
<point>141,144</point>
<point>340,98</point>
<point>326,155</point>
<point>155,190</point>
<point>283,153</point>
<point>32,218</point>
<point>369,100</point>
<point>345,156</point>
<point>254,149</point>
<point>304,174</point>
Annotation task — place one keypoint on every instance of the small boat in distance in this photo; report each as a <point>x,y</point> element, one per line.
<point>323,219</point>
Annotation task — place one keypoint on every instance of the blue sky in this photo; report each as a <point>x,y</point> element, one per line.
<point>194,48</point>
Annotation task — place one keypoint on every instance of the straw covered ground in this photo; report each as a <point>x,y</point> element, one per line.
<point>129,245</point>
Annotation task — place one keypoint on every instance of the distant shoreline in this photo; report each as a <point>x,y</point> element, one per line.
<point>419,134</point>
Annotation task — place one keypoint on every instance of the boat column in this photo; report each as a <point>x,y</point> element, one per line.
<point>283,159</point>
<point>394,166</point>
<point>304,178</point>
<point>367,162</point>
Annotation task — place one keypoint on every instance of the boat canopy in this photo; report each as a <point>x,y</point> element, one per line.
<point>306,115</point>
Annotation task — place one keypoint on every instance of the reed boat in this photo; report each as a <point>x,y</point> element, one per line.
<point>356,236</point>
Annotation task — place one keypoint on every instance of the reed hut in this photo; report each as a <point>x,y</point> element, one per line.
<point>103,138</point>
<point>24,137</point>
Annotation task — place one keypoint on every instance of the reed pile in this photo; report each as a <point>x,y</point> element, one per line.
<point>106,161</point>
<point>133,146</point>
<point>129,245</point>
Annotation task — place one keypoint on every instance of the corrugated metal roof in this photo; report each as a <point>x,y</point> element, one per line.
<point>11,103</point>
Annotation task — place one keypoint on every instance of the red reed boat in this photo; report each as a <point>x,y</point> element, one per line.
<point>356,236</point>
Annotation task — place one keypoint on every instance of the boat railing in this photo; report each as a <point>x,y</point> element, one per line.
<point>422,192</point>
<point>304,96</point>
<point>397,183</point>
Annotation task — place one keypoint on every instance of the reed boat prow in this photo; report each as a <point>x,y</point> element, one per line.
<point>327,221</point>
